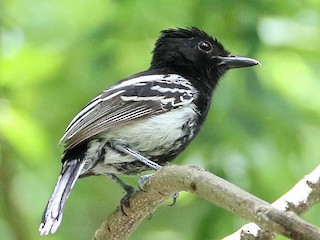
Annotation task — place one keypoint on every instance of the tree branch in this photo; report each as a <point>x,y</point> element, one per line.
<point>299,199</point>
<point>171,179</point>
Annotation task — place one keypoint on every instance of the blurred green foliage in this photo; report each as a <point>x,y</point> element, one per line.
<point>263,132</point>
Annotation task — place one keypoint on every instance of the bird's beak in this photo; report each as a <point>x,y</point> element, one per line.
<point>232,61</point>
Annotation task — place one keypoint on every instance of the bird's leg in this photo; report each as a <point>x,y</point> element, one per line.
<point>125,149</point>
<point>129,190</point>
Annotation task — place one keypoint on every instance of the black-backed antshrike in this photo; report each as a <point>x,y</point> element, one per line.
<point>146,120</point>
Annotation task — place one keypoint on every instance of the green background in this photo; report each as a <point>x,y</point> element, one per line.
<point>262,133</point>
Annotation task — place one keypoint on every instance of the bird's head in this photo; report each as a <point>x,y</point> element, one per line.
<point>195,50</point>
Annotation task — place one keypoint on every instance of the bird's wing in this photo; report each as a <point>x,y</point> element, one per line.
<point>134,98</point>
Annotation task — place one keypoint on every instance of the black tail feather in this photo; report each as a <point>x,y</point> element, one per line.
<point>52,215</point>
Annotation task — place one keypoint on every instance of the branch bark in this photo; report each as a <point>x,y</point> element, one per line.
<point>171,179</point>
<point>299,199</point>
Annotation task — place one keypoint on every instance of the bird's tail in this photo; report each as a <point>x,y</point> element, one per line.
<point>52,215</point>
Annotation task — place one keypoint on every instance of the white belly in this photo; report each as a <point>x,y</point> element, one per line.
<point>158,131</point>
<point>154,136</point>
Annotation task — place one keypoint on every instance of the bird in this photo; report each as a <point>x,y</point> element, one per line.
<point>146,120</point>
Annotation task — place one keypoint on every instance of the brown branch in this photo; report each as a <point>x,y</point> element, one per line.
<point>171,179</point>
<point>299,199</point>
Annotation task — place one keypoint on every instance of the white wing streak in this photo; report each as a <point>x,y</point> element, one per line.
<point>131,99</point>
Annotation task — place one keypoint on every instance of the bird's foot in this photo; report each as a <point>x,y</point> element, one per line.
<point>145,178</point>
<point>125,201</point>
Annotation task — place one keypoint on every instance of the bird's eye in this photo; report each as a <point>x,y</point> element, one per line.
<point>205,46</point>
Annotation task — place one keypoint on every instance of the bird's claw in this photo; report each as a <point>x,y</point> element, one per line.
<point>125,201</point>
<point>174,199</point>
<point>142,180</point>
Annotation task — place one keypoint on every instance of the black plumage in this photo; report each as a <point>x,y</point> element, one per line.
<point>145,120</point>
